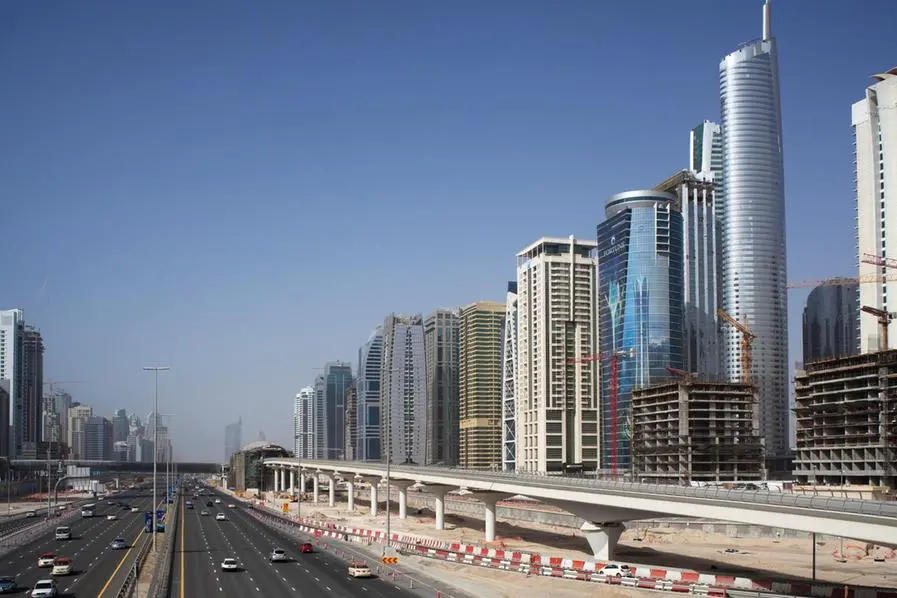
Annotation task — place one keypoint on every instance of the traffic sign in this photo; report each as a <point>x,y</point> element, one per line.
<point>286,507</point>
<point>389,560</point>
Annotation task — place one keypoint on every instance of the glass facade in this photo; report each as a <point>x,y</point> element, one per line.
<point>831,325</point>
<point>640,297</point>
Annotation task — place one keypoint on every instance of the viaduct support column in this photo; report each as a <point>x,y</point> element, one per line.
<point>331,490</point>
<point>402,485</point>
<point>350,488</point>
<point>276,480</point>
<point>603,538</point>
<point>489,500</point>
<point>283,479</point>
<point>373,481</point>
<point>316,483</point>
<point>292,480</point>
<point>301,480</point>
<point>439,493</point>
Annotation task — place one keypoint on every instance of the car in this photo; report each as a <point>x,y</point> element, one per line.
<point>61,566</point>
<point>278,555</point>
<point>63,532</point>
<point>7,584</point>
<point>614,570</point>
<point>231,505</point>
<point>229,564</point>
<point>111,503</point>
<point>217,501</point>
<point>306,548</point>
<point>111,517</point>
<point>119,544</point>
<point>45,588</point>
<point>31,514</point>
<point>204,513</point>
<point>46,560</point>
<point>210,503</point>
<point>359,569</point>
<point>220,517</point>
<point>134,510</point>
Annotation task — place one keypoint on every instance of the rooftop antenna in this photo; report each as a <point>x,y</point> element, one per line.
<point>767,20</point>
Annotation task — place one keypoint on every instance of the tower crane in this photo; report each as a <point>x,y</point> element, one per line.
<point>809,284</point>
<point>614,358</point>
<point>747,338</point>
<point>884,319</point>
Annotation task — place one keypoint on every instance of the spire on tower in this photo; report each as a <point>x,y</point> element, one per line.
<point>767,20</point>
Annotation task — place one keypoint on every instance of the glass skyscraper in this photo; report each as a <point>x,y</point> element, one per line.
<point>831,325</point>
<point>368,384</point>
<point>640,309</point>
<point>752,228</point>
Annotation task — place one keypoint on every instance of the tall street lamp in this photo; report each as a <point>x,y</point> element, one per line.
<point>155,370</point>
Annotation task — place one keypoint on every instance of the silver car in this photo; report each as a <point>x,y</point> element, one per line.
<point>45,588</point>
<point>278,555</point>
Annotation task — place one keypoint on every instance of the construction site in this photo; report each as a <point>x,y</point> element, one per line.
<point>693,430</point>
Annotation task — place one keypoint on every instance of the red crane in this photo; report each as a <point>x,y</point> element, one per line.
<point>614,358</point>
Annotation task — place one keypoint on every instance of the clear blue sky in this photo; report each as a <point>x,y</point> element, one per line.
<point>243,190</point>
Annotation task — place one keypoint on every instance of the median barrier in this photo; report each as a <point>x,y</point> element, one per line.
<point>129,585</point>
<point>160,584</point>
<point>685,581</point>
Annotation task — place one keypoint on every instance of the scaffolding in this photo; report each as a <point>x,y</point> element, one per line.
<point>846,420</point>
<point>696,431</point>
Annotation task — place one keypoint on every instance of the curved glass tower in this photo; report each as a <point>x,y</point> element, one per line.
<point>752,227</point>
<point>639,305</point>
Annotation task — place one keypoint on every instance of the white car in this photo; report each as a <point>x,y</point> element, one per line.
<point>45,588</point>
<point>111,518</point>
<point>614,570</point>
<point>46,560</point>
<point>229,565</point>
<point>134,509</point>
<point>231,506</point>
<point>204,513</point>
<point>278,555</point>
<point>220,517</point>
<point>62,566</point>
<point>357,569</point>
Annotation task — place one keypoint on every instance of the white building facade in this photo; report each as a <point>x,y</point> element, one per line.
<point>509,382</point>
<point>874,121</point>
<point>557,341</point>
<point>12,330</point>
<point>303,423</point>
<point>403,390</point>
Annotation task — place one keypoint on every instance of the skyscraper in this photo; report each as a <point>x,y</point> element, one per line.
<point>696,192</point>
<point>640,306</point>
<point>303,423</point>
<point>77,428</point>
<point>830,321</point>
<point>403,389</point>
<point>120,426</point>
<point>12,329</point>
<point>481,336</point>
<point>557,336</point>
<point>233,438</point>
<point>319,419</point>
<point>97,439</point>
<point>752,227</point>
<point>337,381</point>
<point>706,150</point>
<point>29,411</point>
<point>441,343</point>
<point>368,409</point>
<point>509,381</point>
<point>874,121</point>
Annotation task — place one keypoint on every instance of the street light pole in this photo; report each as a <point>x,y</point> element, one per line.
<point>155,506</point>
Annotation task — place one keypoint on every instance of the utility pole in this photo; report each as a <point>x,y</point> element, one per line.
<point>155,506</point>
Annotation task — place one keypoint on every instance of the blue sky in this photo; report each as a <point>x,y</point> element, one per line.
<point>242,191</point>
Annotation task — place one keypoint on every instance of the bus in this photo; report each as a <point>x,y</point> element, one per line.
<point>88,510</point>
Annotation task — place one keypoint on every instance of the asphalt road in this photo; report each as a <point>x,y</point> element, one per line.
<point>203,542</point>
<point>95,563</point>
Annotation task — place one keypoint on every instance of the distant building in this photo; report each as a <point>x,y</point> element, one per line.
<point>303,423</point>
<point>351,419</point>
<point>319,419</point>
<point>706,151</point>
<point>441,343</point>
<point>874,122</point>
<point>640,304</point>
<point>29,412</point>
<point>338,380</point>
<point>481,336</point>
<point>509,381</point>
<point>77,430</point>
<point>12,329</point>
<point>557,333</point>
<point>247,471</point>
<point>233,438</point>
<point>696,431</point>
<point>831,326</point>
<point>120,426</point>
<point>403,390</point>
<point>368,385</point>
<point>98,439</point>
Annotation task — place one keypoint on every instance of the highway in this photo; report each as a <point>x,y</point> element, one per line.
<point>203,542</point>
<point>95,563</point>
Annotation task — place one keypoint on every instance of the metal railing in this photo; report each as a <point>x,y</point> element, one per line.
<point>26,535</point>
<point>753,497</point>
<point>160,584</point>
<point>129,585</point>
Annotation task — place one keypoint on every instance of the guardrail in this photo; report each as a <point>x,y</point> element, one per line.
<point>160,584</point>
<point>21,537</point>
<point>129,586</point>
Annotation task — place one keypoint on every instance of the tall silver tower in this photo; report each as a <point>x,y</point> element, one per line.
<point>752,225</point>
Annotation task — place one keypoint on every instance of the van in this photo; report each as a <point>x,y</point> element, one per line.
<point>63,533</point>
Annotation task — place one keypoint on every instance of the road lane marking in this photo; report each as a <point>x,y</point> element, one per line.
<point>120,563</point>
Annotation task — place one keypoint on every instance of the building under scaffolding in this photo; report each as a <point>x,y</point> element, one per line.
<point>696,431</point>
<point>846,416</point>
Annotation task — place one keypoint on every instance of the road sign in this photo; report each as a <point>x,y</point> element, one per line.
<point>389,560</point>
<point>286,507</point>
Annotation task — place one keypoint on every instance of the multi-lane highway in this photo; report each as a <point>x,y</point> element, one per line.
<point>94,562</point>
<point>203,542</point>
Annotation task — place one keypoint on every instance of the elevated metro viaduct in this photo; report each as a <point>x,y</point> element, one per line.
<point>604,505</point>
<point>113,466</point>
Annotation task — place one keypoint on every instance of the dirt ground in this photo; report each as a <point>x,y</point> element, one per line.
<point>681,549</point>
